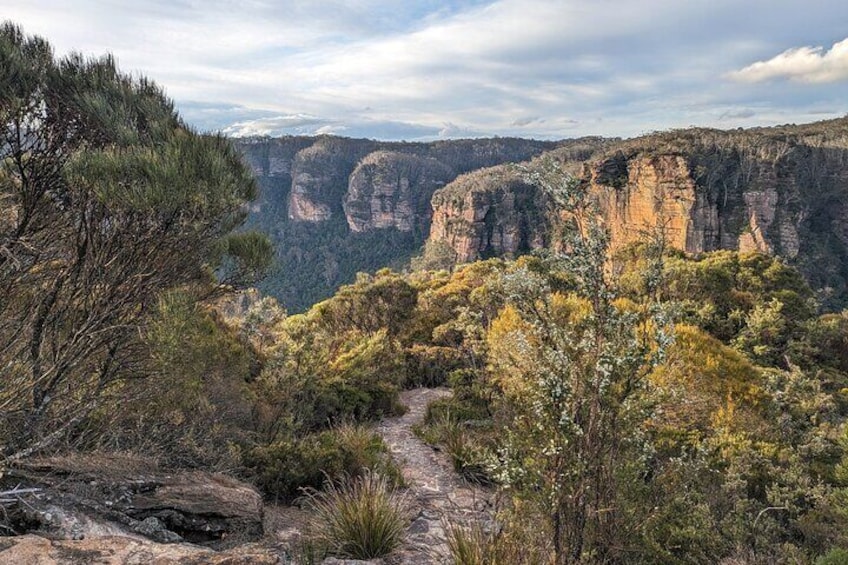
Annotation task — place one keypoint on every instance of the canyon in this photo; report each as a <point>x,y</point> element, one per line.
<point>781,190</point>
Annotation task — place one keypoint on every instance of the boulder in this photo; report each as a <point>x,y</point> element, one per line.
<point>85,496</point>
<point>120,550</point>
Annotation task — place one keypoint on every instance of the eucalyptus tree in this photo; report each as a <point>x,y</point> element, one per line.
<point>108,199</point>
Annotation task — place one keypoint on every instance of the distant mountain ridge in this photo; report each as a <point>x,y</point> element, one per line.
<point>336,206</point>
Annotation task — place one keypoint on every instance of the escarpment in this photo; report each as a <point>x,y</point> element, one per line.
<point>335,206</point>
<point>373,185</point>
<point>390,189</point>
<point>319,178</point>
<point>487,213</point>
<point>773,190</point>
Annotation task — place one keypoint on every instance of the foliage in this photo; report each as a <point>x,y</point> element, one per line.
<point>835,556</point>
<point>699,377</point>
<point>512,539</point>
<point>331,380</point>
<point>202,409</point>
<point>358,518</point>
<point>705,439</point>
<point>430,365</point>
<point>574,374</point>
<point>109,200</point>
<point>285,467</point>
<point>709,455</point>
<point>314,259</point>
<point>469,454</point>
<point>436,255</point>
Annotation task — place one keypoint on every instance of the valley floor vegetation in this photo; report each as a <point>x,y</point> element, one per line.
<point>644,408</point>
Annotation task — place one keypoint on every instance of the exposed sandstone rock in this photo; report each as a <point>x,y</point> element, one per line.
<point>490,212</point>
<point>119,550</point>
<point>389,189</point>
<point>84,497</point>
<point>772,190</point>
<point>313,172</point>
<point>319,176</point>
<point>272,157</point>
<point>304,195</point>
<point>653,192</point>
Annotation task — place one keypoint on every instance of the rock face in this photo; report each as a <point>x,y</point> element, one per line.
<point>319,178</point>
<point>376,185</point>
<point>389,189</point>
<point>335,206</point>
<point>774,190</point>
<point>648,192</point>
<point>122,550</point>
<point>80,498</point>
<point>488,213</point>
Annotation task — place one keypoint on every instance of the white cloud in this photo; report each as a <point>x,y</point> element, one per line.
<point>802,64</point>
<point>277,125</point>
<point>413,69</point>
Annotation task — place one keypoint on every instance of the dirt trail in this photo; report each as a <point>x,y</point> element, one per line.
<point>436,490</point>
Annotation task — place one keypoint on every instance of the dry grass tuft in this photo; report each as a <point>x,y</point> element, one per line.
<point>359,518</point>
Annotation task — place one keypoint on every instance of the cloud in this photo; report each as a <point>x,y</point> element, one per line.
<point>313,125</point>
<point>277,125</point>
<point>521,122</point>
<point>737,114</point>
<point>802,64</point>
<point>418,68</point>
<point>450,130</point>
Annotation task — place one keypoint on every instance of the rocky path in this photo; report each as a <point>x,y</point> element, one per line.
<point>438,493</point>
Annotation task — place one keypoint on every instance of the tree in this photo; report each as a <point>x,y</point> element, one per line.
<point>108,200</point>
<point>574,372</point>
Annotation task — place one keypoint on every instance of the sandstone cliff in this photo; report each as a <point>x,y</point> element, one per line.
<point>335,206</point>
<point>491,212</point>
<point>368,181</point>
<point>390,189</point>
<point>775,190</point>
<point>319,178</point>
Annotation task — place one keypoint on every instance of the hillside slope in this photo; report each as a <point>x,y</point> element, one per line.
<point>777,190</point>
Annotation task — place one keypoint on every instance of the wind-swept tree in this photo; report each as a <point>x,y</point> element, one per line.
<point>108,199</point>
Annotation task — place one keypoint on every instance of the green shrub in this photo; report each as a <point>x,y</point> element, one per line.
<point>337,401</point>
<point>456,410</point>
<point>282,469</point>
<point>358,517</point>
<point>430,366</point>
<point>510,544</point>
<point>447,424</point>
<point>836,556</point>
<point>468,546</point>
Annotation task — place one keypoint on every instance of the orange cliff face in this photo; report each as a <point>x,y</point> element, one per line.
<point>776,190</point>
<point>781,190</point>
<point>493,212</point>
<point>487,213</point>
<point>657,194</point>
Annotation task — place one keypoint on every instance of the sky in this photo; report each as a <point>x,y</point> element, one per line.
<point>431,69</point>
